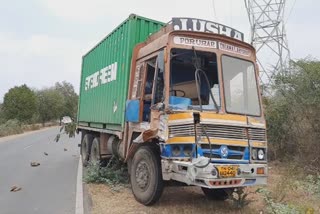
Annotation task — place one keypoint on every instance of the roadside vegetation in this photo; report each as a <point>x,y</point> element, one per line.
<point>293,116</point>
<point>293,124</point>
<point>114,173</point>
<point>26,109</point>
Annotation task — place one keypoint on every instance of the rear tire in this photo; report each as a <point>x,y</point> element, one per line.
<point>85,149</point>
<point>146,175</point>
<point>216,194</point>
<point>95,151</point>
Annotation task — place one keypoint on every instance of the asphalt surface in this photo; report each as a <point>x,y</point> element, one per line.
<point>48,188</point>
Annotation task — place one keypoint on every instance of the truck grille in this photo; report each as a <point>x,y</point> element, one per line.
<point>257,134</point>
<point>235,152</point>
<point>184,130</point>
<point>218,131</point>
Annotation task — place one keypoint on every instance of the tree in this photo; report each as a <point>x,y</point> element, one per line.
<point>50,104</point>
<point>293,114</point>
<point>70,99</point>
<point>2,117</point>
<point>19,103</point>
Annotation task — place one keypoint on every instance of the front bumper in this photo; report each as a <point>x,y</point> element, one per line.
<point>188,173</point>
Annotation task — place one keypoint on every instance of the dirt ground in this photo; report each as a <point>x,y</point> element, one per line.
<point>190,200</point>
<point>174,200</point>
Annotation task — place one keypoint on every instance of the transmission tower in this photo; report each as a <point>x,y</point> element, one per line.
<point>268,36</point>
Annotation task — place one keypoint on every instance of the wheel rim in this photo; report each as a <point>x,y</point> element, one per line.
<point>143,175</point>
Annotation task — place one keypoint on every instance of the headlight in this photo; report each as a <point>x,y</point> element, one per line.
<point>175,150</point>
<point>260,154</point>
<point>187,150</point>
<point>254,154</point>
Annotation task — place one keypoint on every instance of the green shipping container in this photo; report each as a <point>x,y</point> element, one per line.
<point>105,74</point>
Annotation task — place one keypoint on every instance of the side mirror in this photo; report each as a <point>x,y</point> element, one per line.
<point>159,106</point>
<point>160,61</point>
<point>158,79</point>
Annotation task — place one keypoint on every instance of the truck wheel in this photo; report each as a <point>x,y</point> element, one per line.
<point>85,149</point>
<point>216,194</point>
<point>146,176</point>
<point>95,150</point>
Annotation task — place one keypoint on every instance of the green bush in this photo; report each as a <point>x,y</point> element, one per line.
<point>274,206</point>
<point>310,184</point>
<point>10,127</point>
<point>239,198</point>
<point>292,115</point>
<point>114,174</point>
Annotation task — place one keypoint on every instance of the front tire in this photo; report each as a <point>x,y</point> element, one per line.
<point>146,175</point>
<point>216,194</point>
<point>86,148</point>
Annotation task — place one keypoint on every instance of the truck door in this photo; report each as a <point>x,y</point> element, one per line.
<point>154,85</point>
<point>147,90</point>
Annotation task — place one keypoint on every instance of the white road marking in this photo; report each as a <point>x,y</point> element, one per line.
<point>79,191</point>
<point>27,146</point>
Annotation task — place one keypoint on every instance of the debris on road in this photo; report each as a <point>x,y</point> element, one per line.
<point>34,164</point>
<point>57,138</point>
<point>15,189</point>
<point>45,153</point>
<point>65,149</point>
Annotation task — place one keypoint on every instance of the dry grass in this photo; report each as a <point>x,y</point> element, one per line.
<point>190,200</point>
<point>187,200</point>
<point>31,127</point>
<point>285,184</point>
<point>10,127</point>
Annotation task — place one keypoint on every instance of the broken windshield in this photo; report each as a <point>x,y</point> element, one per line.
<point>183,87</point>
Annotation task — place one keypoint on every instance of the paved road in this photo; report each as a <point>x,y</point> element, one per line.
<point>48,188</point>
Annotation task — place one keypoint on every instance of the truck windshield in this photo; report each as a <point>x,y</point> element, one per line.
<point>240,86</point>
<point>183,89</point>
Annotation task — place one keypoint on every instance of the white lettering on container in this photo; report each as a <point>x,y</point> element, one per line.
<point>101,77</point>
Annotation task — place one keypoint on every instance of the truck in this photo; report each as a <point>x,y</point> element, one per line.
<point>177,102</point>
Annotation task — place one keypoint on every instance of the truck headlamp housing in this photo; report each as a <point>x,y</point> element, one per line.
<point>187,150</point>
<point>260,154</point>
<point>176,150</point>
<point>254,154</point>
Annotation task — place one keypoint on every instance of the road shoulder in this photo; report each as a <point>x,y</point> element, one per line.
<point>11,137</point>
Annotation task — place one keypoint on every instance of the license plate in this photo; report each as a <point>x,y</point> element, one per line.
<point>227,171</point>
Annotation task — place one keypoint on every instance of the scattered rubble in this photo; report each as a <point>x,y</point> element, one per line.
<point>34,164</point>
<point>15,189</point>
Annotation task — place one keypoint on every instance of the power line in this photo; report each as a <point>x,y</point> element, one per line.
<point>214,11</point>
<point>294,3</point>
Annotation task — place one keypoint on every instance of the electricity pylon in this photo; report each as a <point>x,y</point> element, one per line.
<point>268,36</point>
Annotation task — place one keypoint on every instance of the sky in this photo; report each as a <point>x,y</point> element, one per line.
<point>43,41</point>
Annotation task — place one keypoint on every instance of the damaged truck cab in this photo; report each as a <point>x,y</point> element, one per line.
<point>193,113</point>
